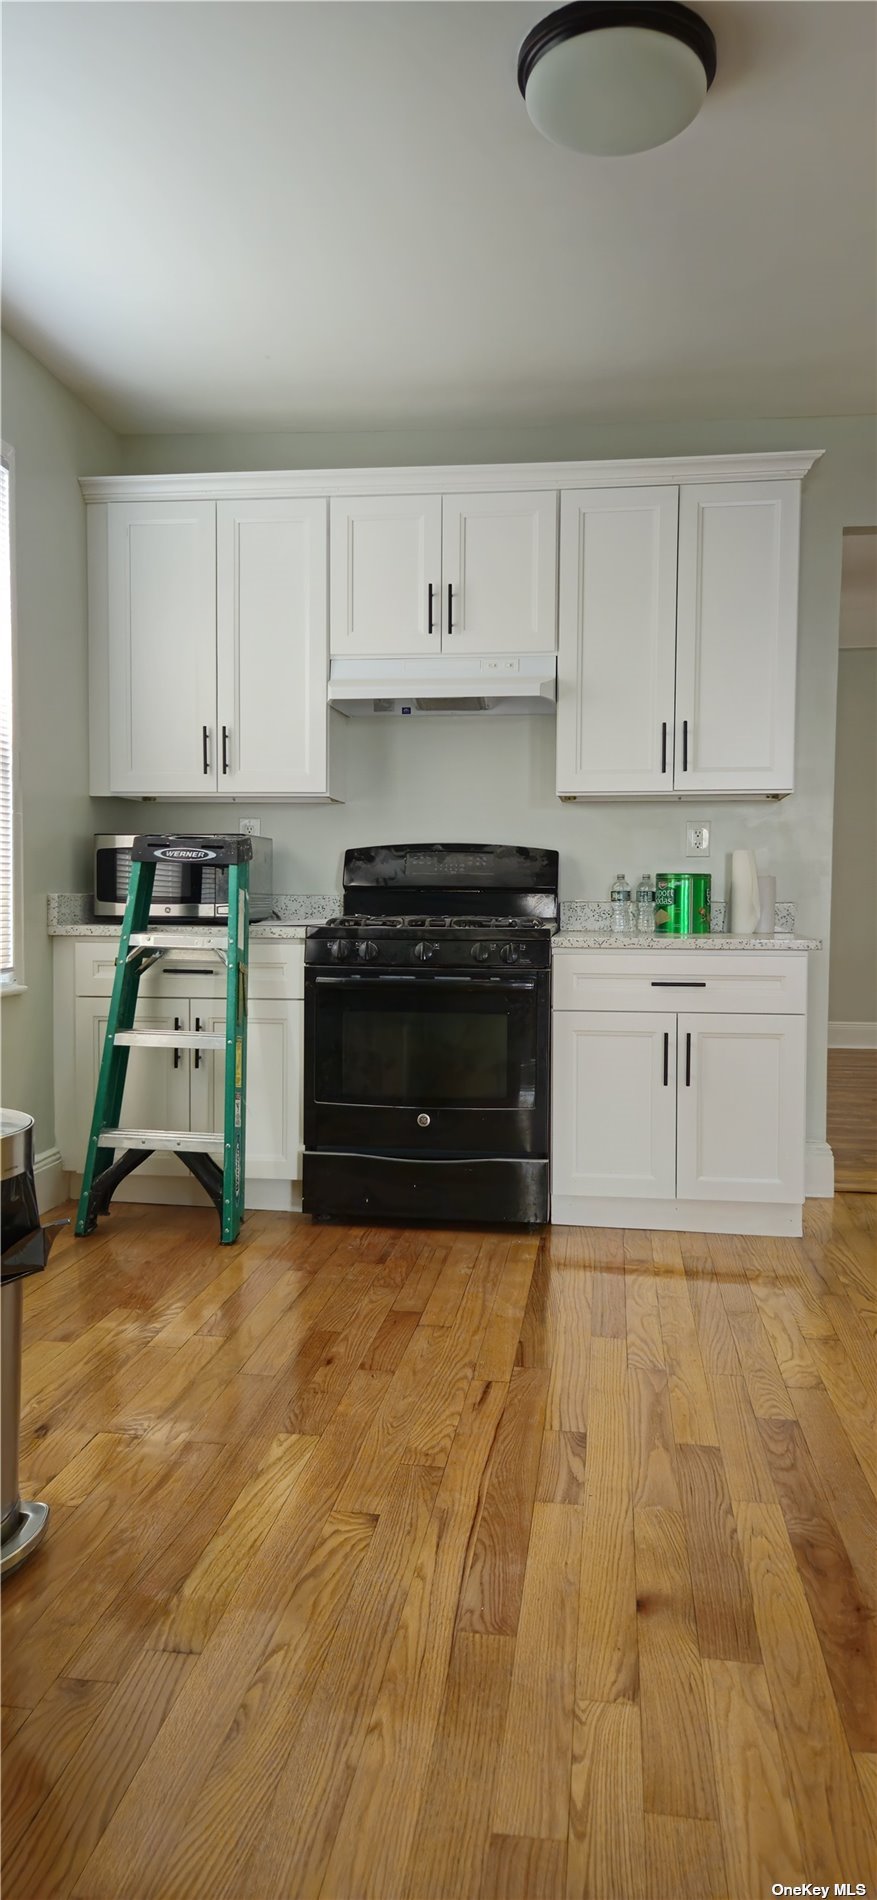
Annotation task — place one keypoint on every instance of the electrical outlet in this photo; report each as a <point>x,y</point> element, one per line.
<point>697,840</point>
<point>251,827</point>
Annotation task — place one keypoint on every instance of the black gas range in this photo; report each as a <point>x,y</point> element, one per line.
<point>427,1036</point>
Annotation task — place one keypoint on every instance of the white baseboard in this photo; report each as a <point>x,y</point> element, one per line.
<point>818,1171</point>
<point>852,1035</point>
<point>50,1179</point>
<point>685,1217</point>
<point>172,1190</point>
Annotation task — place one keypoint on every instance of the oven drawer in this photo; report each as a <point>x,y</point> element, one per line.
<point>276,970</point>
<point>714,981</point>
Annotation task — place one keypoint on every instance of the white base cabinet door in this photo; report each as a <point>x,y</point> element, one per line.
<point>741,1108</point>
<point>617,643</point>
<point>274,1084</point>
<point>614,1104</point>
<point>161,660</point>
<point>499,573</point>
<point>737,635</point>
<point>386,558</point>
<point>156,1085</point>
<point>272,655</point>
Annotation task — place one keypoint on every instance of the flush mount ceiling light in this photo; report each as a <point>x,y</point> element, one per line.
<point>616,77</point>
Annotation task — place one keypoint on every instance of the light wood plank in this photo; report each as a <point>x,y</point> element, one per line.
<point>532,1794</point>
<point>759,1835</point>
<point>606,1853</point>
<point>490,1598</point>
<point>677,1755</point>
<point>722,1602</point>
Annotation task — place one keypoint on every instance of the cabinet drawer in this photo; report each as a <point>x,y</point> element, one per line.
<point>697,980</point>
<point>276,970</point>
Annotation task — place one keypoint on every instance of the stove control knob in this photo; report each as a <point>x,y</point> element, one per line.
<point>340,948</point>
<point>480,952</point>
<point>510,952</point>
<point>367,950</point>
<point>425,951</point>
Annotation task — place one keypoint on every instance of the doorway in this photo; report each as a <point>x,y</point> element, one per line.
<point>852,1010</point>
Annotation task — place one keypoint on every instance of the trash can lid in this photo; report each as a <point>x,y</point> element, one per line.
<point>15,1142</point>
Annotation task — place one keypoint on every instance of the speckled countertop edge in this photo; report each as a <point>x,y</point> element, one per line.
<point>597,940</point>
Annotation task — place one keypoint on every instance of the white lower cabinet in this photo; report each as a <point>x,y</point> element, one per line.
<point>274,1072</point>
<point>680,1119</point>
<point>741,1106</point>
<point>156,1084</point>
<point>183,1089</point>
<point>615,1103</point>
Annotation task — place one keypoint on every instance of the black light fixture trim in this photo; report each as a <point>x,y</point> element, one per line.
<point>586,16</point>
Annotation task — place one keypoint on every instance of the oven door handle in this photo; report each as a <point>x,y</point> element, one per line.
<point>468,982</point>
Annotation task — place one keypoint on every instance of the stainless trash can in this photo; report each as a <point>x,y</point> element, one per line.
<point>25,1250</point>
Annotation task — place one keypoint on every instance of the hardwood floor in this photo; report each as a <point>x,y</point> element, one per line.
<point>396,1565</point>
<point>852,1118</point>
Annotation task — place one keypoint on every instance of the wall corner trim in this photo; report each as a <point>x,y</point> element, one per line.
<point>818,1171</point>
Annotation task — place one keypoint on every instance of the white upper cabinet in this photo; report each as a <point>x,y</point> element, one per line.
<point>413,576</point>
<point>737,636</point>
<point>161,658</point>
<point>386,555</point>
<point>724,626</point>
<point>499,573</point>
<point>616,661</point>
<point>271,647</point>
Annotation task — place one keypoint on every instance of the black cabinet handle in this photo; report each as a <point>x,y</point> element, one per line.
<point>666,1056</point>
<point>198,1025</point>
<point>668,983</point>
<point>664,746</point>
<point>450,608</point>
<point>205,758</point>
<point>225,748</point>
<point>685,745</point>
<point>177,1056</point>
<point>688,1059</point>
<point>186,969</point>
<point>429,597</point>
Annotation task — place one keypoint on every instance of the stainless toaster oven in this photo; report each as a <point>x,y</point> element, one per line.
<point>187,892</point>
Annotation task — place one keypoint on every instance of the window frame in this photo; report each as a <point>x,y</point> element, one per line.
<point>14,984</point>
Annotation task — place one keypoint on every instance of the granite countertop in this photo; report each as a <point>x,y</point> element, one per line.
<point>72,915</point>
<point>601,940</point>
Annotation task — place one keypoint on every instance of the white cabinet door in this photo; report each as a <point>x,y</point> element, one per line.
<point>385,573</point>
<point>271,647</point>
<point>499,573</point>
<point>617,640</point>
<point>161,606</point>
<point>274,1085</point>
<point>614,1104</point>
<point>741,1108</point>
<point>156,1088</point>
<point>737,636</point>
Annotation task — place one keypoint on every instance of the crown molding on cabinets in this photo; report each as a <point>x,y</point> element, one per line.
<point>275,484</point>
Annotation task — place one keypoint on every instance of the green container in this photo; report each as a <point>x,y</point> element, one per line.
<point>682,903</point>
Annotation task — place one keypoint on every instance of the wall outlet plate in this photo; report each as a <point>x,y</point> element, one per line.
<point>697,839</point>
<point>251,827</point>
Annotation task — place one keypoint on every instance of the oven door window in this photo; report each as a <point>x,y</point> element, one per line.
<point>422,1044</point>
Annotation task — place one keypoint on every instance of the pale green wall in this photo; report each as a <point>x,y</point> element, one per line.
<point>853,987</point>
<point>55,439</point>
<point>495,780</point>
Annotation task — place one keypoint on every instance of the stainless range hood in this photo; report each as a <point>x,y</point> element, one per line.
<point>524,683</point>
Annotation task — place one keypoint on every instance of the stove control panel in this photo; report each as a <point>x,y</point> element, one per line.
<point>400,949</point>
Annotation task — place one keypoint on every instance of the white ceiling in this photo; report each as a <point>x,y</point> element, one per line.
<point>315,215</point>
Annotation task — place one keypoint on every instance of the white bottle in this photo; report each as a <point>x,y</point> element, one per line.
<point>619,898</point>
<point>645,904</point>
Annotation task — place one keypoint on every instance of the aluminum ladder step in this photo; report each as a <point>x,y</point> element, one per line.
<point>191,939</point>
<point>170,1039</point>
<point>173,1139</point>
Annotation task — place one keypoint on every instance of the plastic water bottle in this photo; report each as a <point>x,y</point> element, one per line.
<point>619,898</point>
<point>645,904</point>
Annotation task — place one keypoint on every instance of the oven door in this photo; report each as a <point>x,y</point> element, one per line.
<point>428,1064</point>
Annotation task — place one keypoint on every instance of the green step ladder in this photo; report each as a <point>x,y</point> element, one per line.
<point>139,949</point>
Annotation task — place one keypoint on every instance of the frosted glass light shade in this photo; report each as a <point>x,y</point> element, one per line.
<point>611,89</point>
